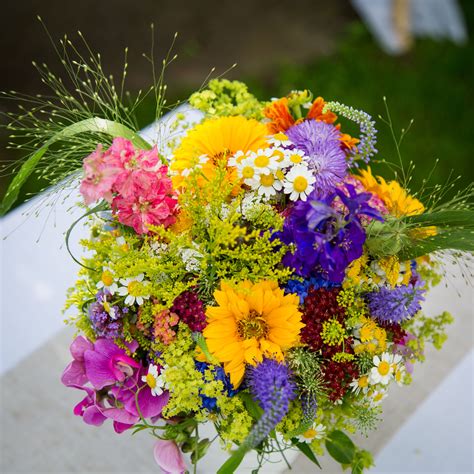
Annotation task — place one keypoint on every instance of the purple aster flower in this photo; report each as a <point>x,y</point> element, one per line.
<point>396,304</point>
<point>106,319</point>
<point>271,386</point>
<point>321,142</point>
<point>327,240</point>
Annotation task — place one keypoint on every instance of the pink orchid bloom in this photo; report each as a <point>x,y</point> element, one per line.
<point>169,457</point>
<point>89,408</point>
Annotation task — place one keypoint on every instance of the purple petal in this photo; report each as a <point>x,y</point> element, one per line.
<point>98,369</point>
<point>79,346</point>
<point>149,405</point>
<point>74,374</point>
<point>93,416</point>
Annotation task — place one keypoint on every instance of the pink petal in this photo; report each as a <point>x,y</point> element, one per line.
<point>169,457</point>
<point>93,416</point>
<point>97,369</point>
<point>79,346</point>
<point>74,374</point>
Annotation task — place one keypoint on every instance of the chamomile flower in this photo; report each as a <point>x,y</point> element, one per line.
<point>246,171</point>
<point>156,382</point>
<point>377,396</point>
<point>122,243</point>
<point>299,183</point>
<point>383,370</point>
<point>278,139</point>
<point>268,185</point>
<point>263,162</point>
<point>295,157</point>
<point>360,385</point>
<point>399,374</point>
<point>315,432</point>
<point>107,281</point>
<point>135,289</point>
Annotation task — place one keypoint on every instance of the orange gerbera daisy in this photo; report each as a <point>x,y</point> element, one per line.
<point>251,321</point>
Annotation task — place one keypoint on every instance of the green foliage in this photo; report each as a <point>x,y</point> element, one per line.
<point>340,447</point>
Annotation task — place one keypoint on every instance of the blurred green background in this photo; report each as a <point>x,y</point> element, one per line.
<point>318,45</point>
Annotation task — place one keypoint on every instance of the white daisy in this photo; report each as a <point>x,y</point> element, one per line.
<point>383,370</point>
<point>299,183</point>
<point>237,157</point>
<point>247,172</point>
<point>107,281</point>
<point>268,185</point>
<point>278,139</point>
<point>377,396</point>
<point>360,385</point>
<point>263,161</point>
<point>135,290</point>
<point>315,432</point>
<point>156,382</point>
<point>295,157</point>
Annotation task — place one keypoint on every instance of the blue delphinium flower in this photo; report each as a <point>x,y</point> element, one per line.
<point>327,239</point>
<point>397,304</point>
<point>210,403</point>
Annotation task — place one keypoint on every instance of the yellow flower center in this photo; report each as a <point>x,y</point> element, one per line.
<point>150,380</point>
<point>247,172</point>
<point>134,288</point>
<point>280,175</point>
<point>278,154</point>
<point>261,161</point>
<point>280,136</point>
<point>107,278</point>
<point>378,397</point>
<point>363,382</point>
<point>310,434</point>
<point>398,375</point>
<point>300,184</point>
<point>384,368</point>
<point>267,180</point>
<point>253,326</point>
<point>295,158</point>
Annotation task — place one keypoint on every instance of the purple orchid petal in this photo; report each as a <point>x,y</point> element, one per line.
<point>79,346</point>
<point>168,456</point>
<point>149,405</point>
<point>74,374</point>
<point>121,427</point>
<point>93,416</point>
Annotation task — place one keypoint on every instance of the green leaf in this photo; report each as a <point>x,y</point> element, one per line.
<point>459,239</point>
<point>233,462</point>
<point>340,447</point>
<point>454,218</point>
<point>307,451</point>
<point>92,125</point>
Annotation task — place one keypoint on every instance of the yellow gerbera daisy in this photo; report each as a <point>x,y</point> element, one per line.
<point>396,199</point>
<point>214,140</point>
<point>251,321</point>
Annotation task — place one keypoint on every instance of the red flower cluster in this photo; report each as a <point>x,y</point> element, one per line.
<point>190,310</point>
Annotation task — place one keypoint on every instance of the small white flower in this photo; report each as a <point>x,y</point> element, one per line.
<point>264,162</point>
<point>156,382</point>
<point>315,432</point>
<point>107,281</point>
<point>299,183</point>
<point>377,396</point>
<point>268,185</point>
<point>294,157</point>
<point>192,259</point>
<point>383,370</point>
<point>135,290</point>
<point>237,157</point>
<point>247,172</point>
<point>278,139</point>
<point>360,385</point>
<point>158,248</point>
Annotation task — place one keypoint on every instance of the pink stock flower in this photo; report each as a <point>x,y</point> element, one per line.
<point>150,204</point>
<point>99,177</point>
<point>168,456</point>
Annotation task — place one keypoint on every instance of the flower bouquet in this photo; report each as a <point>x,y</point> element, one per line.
<point>249,273</point>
